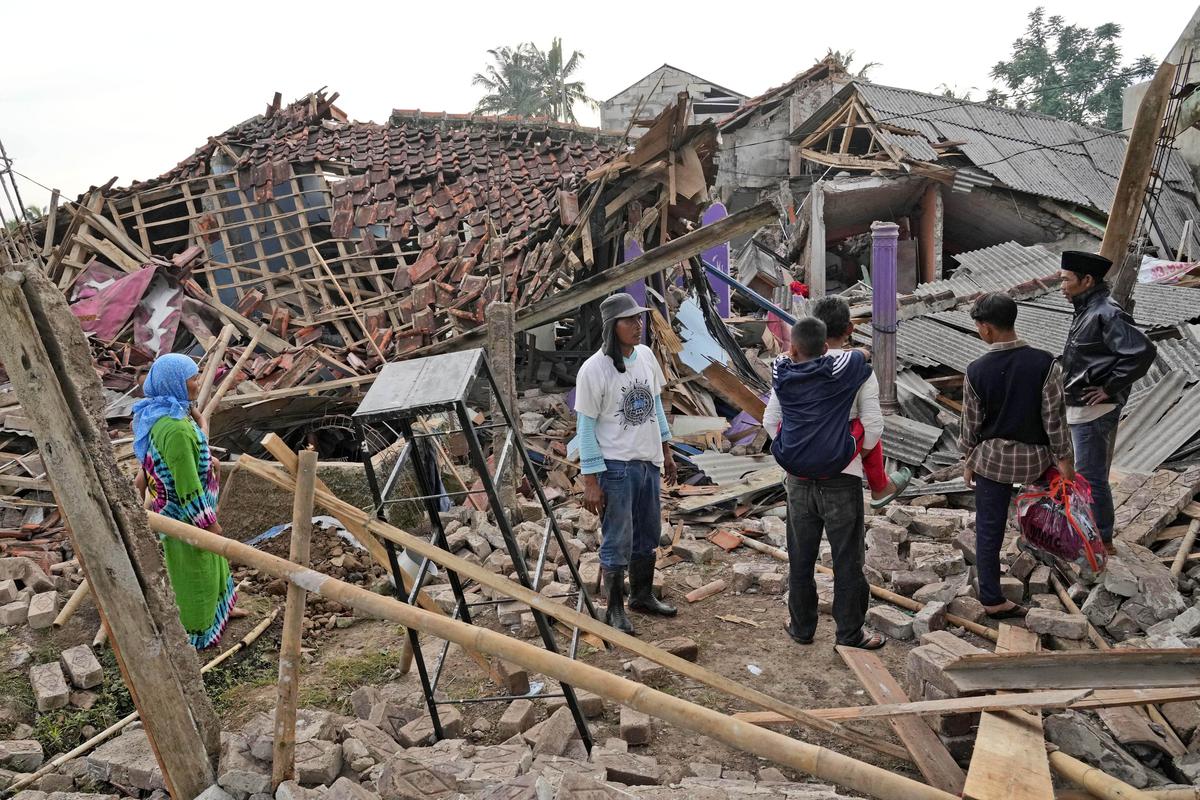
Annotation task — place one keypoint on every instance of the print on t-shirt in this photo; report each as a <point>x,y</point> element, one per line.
<point>637,404</point>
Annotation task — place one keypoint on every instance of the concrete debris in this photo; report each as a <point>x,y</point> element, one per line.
<point>128,761</point>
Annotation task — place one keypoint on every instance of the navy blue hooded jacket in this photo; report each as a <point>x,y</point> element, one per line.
<point>815,399</point>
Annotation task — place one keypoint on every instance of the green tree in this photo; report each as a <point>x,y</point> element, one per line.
<point>30,213</point>
<point>512,82</point>
<point>526,80</point>
<point>554,77</point>
<point>1068,71</point>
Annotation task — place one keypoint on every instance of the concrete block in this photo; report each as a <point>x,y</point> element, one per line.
<point>1022,566</point>
<point>8,592</point>
<point>49,686</point>
<point>81,666</point>
<point>635,726</point>
<point>1011,588</point>
<point>906,582</point>
<point>942,559</point>
<point>420,730</point>
<point>43,608</point>
<point>318,762</point>
<point>592,705</point>
<point>1039,580</point>
<point>694,550</point>
<point>773,583</point>
<point>891,622</point>
<point>968,608</point>
<point>516,719</point>
<point>1057,623</point>
<point>649,672</point>
<point>21,755</point>
<point>555,733</point>
<point>628,768</point>
<point>681,646</point>
<point>14,613</point>
<point>930,618</point>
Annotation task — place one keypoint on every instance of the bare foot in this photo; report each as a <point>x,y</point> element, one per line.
<point>238,613</point>
<point>1110,548</point>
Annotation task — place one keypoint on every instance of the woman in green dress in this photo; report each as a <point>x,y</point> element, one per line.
<point>182,480</point>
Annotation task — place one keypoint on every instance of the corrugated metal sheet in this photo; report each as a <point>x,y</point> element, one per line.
<point>907,440</point>
<point>917,147</point>
<point>1157,442</point>
<point>1141,418</point>
<point>997,268</point>
<point>924,341</point>
<point>723,468</point>
<point>1155,305</point>
<point>1029,152</point>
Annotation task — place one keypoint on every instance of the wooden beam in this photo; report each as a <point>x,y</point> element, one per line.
<point>1077,669</point>
<point>48,361</point>
<point>606,281</point>
<point>1077,699</point>
<point>1009,760</point>
<point>816,240</point>
<point>730,388</point>
<point>283,749</point>
<point>930,755</point>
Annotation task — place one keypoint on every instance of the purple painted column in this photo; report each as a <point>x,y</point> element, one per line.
<point>718,256</point>
<point>638,288</point>
<point>884,236</point>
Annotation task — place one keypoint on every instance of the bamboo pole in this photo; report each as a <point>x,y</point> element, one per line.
<point>1185,547</point>
<point>121,724</point>
<point>101,637</point>
<point>72,605</point>
<point>812,759</point>
<point>231,376</point>
<point>283,750</point>
<point>215,358</point>
<point>877,592</point>
<point>572,618</point>
<point>1096,782</point>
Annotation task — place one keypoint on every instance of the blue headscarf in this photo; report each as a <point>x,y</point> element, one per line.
<point>166,396</point>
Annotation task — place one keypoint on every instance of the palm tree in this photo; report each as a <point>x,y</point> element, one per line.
<point>843,61</point>
<point>512,82</point>
<point>554,76</point>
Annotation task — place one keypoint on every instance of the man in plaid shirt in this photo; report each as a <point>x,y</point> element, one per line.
<point>1014,428</point>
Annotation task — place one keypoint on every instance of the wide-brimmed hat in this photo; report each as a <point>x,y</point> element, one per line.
<point>619,306</point>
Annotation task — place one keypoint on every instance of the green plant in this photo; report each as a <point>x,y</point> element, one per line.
<point>331,687</point>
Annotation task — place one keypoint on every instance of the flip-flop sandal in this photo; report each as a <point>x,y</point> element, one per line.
<point>872,641</point>
<point>1016,612</point>
<point>900,478</point>
<point>794,637</point>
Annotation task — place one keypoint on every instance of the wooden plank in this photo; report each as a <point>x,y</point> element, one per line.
<point>1010,760</point>
<point>351,516</point>
<point>730,388</point>
<point>152,651</point>
<point>930,755</point>
<point>1077,699</point>
<point>755,482</point>
<point>1077,669</point>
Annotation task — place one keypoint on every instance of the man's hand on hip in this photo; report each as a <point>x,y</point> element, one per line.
<point>593,495</point>
<point>1095,395</point>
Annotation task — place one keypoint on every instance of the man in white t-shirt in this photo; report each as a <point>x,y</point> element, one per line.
<point>624,447</point>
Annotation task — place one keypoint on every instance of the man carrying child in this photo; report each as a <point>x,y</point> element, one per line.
<point>812,401</point>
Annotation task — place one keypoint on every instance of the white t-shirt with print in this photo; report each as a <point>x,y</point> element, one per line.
<point>623,405</point>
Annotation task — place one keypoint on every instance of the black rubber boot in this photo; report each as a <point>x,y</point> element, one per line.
<point>641,588</point>
<point>614,591</point>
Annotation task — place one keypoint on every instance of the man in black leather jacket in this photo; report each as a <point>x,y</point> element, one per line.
<point>1105,355</point>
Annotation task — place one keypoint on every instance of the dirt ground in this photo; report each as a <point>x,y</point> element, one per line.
<point>342,655</point>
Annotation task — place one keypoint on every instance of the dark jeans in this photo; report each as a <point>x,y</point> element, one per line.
<point>834,505</point>
<point>632,523</point>
<point>991,517</point>
<point>1094,442</point>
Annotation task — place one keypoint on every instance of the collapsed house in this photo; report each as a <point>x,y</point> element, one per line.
<point>648,96</point>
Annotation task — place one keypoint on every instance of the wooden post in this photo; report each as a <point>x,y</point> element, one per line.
<point>816,241</point>
<point>231,376</point>
<point>818,761</point>
<point>932,210</point>
<point>215,357</point>
<point>1131,186</point>
<point>47,359</point>
<point>283,751</point>
<point>1185,547</point>
<point>502,356</point>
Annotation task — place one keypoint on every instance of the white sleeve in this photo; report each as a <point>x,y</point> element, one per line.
<point>589,391</point>
<point>773,416</point>
<point>869,413</point>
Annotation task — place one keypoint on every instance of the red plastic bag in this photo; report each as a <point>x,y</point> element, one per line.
<point>1055,517</point>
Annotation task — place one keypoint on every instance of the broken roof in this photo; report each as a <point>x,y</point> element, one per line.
<point>1025,151</point>
<point>771,97</point>
<point>729,92</point>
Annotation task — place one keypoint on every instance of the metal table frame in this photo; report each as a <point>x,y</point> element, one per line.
<point>402,394</point>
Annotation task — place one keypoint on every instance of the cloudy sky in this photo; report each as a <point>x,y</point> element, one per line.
<point>92,90</point>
